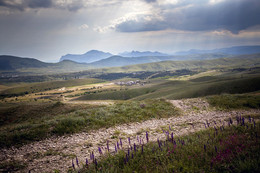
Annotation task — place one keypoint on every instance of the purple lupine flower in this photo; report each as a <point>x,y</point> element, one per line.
<point>167,134</point>
<point>115,148</point>
<point>159,144</point>
<point>205,148</point>
<point>121,143</point>
<point>230,121</point>
<point>93,156</point>
<point>134,147</point>
<point>126,156</point>
<point>86,162</point>
<point>137,138</point>
<point>172,136</point>
<point>117,144</point>
<point>95,162</point>
<point>77,161</point>
<point>216,149</point>
<point>129,141</point>
<point>243,121</point>
<point>170,127</point>
<point>73,166</point>
<point>142,148</point>
<point>90,156</point>
<point>132,155</point>
<point>147,137</point>
<point>99,150</point>
<point>249,119</point>
<point>128,152</point>
<point>108,146</point>
<point>205,125</point>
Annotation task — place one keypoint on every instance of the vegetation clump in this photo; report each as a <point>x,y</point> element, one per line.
<point>220,149</point>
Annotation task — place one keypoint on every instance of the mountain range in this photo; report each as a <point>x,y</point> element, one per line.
<point>236,50</point>
<point>96,60</point>
<point>140,54</point>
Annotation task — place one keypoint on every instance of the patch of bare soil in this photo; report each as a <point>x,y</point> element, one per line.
<point>57,153</point>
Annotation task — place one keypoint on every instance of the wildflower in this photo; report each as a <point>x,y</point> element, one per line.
<point>117,144</point>
<point>86,162</point>
<point>99,150</point>
<point>115,148</point>
<point>132,155</point>
<point>128,152</point>
<point>147,138</point>
<point>170,127</point>
<point>142,148</point>
<point>134,147</point>
<point>230,121</point>
<point>77,161</point>
<point>205,148</point>
<point>90,156</point>
<point>73,166</point>
<point>129,140</point>
<point>121,143</point>
<point>216,149</point>
<point>93,157</point>
<point>159,143</point>
<point>243,121</point>
<point>172,136</point>
<point>126,156</point>
<point>108,146</point>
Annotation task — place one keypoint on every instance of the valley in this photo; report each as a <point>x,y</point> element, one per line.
<point>50,120</point>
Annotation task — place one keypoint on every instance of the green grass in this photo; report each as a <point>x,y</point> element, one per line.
<point>237,101</point>
<point>192,89</point>
<point>117,94</point>
<point>45,86</point>
<point>65,119</point>
<point>235,149</point>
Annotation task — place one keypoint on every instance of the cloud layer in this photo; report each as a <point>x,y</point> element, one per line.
<point>232,15</point>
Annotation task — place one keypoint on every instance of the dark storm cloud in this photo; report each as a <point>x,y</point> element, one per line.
<point>11,4</point>
<point>40,3</point>
<point>232,15</point>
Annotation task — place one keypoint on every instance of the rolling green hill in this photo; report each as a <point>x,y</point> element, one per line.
<point>238,61</point>
<point>31,65</point>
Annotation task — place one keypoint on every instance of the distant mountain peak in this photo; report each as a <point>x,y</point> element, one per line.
<point>135,53</point>
<point>88,57</point>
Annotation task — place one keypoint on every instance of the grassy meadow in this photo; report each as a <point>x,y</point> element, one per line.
<point>35,111</point>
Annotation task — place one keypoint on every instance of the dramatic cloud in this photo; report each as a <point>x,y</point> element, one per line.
<point>48,29</point>
<point>22,4</point>
<point>232,15</point>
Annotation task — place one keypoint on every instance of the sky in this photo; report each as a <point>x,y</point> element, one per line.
<point>48,29</point>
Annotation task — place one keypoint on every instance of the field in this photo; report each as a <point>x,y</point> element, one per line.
<point>57,120</point>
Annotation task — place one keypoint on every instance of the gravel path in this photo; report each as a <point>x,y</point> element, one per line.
<point>57,153</point>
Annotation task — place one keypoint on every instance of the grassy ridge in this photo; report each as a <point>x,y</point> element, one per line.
<point>229,149</point>
<point>189,89</point>
<point>200,87</point>
<point>29,128</point>
<point>237,101</point>
<point>117,95</point>
<point>241,61</point>
<point>44,86</point>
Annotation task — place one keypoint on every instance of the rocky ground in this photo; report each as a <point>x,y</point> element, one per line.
<point>56,153</point>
